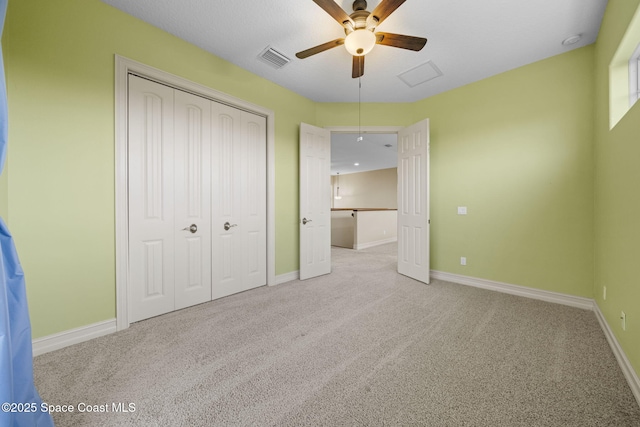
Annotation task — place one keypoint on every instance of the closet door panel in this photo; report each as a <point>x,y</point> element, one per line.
<point>192,199</point>
<point>254,176</point>
<point>227,195</point>
<point>151,192</point>
<point>239,200</point>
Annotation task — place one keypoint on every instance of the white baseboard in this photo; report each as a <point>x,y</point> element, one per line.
<point>539,294</point>
<point>287,277</point>
<point>72,336</point>
<point>621,357</point>
<point>376,243</point>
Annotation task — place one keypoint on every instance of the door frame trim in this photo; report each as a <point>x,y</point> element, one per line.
<point>124,67</point>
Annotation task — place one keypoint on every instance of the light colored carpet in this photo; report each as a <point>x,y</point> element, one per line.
<point>362,346</point>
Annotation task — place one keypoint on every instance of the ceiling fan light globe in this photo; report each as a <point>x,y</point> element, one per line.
<point>360,42</point>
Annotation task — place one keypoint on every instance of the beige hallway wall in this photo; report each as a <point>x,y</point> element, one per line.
<point>373,189</point>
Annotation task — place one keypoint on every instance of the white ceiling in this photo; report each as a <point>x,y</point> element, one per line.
<point>372,153</point>
<point>468,40</point>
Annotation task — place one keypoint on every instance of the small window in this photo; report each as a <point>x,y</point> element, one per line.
<point>634,77</point>
<point>624,83</point>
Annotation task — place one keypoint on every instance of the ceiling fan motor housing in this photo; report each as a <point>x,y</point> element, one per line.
<point>360,18</point>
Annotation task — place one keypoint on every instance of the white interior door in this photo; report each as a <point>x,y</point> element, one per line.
<point>253,217</point>
<point>315,201</point>
<point>169,199</point>
<point>192,199</point>
<point>413,201</point>
<point>151,199</point>
<point>239,194</point>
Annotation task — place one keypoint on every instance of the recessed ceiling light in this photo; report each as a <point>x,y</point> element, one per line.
<point>356,164</point>
<point>572,40</point>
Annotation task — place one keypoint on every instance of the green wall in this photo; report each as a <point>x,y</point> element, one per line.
<point>372,114</point>
<point>60,193</point>
<point>617,165</point>
<point>516,150</point>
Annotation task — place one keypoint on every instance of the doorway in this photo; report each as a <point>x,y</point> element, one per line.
<point>412,195</point>
<point>364,189</point>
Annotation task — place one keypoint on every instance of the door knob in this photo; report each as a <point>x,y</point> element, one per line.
<point>192,228</point>
<point>227,226</point>
<point>305,221</point>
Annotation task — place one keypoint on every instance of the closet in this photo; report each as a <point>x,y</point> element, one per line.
<point>196,197</point>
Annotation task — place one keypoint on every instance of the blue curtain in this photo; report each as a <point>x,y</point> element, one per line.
<point>21,404</point>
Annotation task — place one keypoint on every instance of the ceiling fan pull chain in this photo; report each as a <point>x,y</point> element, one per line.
<point>359,110</point>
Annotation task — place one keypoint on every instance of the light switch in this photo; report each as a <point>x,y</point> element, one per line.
<point>462,210</point>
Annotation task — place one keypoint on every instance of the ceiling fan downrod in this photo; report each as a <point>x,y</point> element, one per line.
<point>359,5</point>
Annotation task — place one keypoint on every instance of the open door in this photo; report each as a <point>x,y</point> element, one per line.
<point>315,201</point>
<point>413,201</point>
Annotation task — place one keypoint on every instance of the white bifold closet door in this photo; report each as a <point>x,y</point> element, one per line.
<point>182,170</point>
<point>239,200</point>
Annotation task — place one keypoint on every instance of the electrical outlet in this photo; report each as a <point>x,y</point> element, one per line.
<point>604,293</point>
<point>463,260</point>
<point>623,318</point>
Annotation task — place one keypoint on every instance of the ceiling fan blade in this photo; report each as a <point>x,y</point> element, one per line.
<point>402,41</point>
<point>384,9</point>
<point>336,12</point>
<point>320,48</point>
<point>358,66</point>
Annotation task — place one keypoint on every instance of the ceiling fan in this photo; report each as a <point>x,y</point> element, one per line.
<point>360,29</point>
